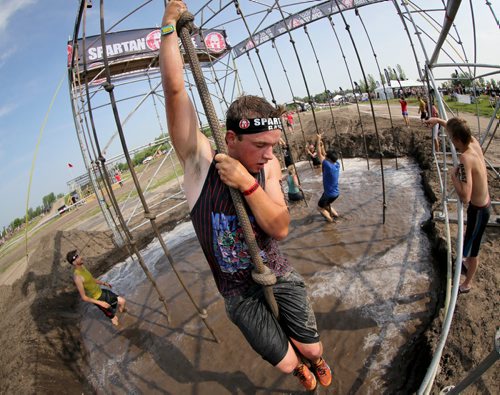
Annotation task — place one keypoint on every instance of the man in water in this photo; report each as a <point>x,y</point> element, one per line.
<point>470,179</point>
<point>331,172</point>
<point>253,128</point>
<point>88,287</point>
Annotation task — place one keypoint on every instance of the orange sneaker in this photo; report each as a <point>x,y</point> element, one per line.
<point>305,377</point>
<point>322,372</point>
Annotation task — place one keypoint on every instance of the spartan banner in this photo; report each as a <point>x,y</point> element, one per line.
<point>297,20</point>
<point>140,43</point>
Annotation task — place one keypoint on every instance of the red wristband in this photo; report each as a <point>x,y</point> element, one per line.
<point>251,190</point>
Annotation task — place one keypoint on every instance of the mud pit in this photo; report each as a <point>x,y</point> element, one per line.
<point>41,334</point>
<point>370,286</point>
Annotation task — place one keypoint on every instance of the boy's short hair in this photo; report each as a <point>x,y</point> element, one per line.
<point>332,155</point>
<point>459,130</point>
<point>71,256</point>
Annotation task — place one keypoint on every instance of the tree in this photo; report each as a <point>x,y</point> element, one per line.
<point>392,74</point>
<point>48,200</point>
<point>401,72</point>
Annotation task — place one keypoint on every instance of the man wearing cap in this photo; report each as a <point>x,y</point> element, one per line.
<point>88,287</point>
<point>253,128</point>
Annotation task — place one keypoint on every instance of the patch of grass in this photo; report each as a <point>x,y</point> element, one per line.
<point>166,178</point>
<point>484,108</point>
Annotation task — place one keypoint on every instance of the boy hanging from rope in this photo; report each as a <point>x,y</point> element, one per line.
<point>253,128</point>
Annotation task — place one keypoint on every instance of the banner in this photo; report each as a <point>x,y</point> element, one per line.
<point>129,45</point>
<point>297,20</point>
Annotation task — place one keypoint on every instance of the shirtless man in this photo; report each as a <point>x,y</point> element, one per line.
<point>470,179</point>
<point>253,128</point>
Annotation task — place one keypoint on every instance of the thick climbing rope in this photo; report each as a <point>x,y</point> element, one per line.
<point>356,10</point>
<point>326,91</point>
<point>261,274</point>
<point>147,214</point>
<point>381,155</point>
<point>330,19</point>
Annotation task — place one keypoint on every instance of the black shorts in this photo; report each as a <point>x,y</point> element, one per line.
<point>110,298</point>
<point>477,219</point>
<point>423,115</point>
<point>295,197</point>
<point>268,336</point>
<point>325,201</point>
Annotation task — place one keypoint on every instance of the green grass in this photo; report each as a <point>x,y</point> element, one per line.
<point>484,108</point>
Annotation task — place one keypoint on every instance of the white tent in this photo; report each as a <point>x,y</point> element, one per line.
<point>382,94</point>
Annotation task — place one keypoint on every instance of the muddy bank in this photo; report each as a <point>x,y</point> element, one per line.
<point>40,334</point>
<point>40,326</point>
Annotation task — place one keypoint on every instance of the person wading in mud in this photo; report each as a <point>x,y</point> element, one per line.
<point>331,173</point>
<point>470,179</point>
<point>253,128</point>
<point>88,287</point>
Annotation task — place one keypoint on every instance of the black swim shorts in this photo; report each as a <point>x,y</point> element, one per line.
<point>477,219</point>
<point>268,336</point>
<point>110,298</point>
<point>325,201</point>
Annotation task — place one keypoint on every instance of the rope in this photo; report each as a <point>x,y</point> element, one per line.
<point>381,155</point>
<point>262,274</point>
<point>293,95</point>
<point>330,19</point>
<point>301,68</point>
<point>356,11</point>
<point>147,214</point>
<point>325,88</point>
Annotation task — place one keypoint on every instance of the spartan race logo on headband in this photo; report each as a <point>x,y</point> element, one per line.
<point>253,125</point>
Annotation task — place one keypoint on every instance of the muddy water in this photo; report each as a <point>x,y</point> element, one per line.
<point>370,284</point>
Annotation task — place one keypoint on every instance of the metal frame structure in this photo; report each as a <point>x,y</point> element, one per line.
<point>258,25</point>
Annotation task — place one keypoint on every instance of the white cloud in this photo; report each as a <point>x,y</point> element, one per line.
<point>6,109</point>
<point>8,8</point>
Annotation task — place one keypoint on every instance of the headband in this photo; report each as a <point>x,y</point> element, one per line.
<point>253,125</point>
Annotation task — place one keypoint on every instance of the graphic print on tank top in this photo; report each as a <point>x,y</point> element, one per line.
<point>230,248</point>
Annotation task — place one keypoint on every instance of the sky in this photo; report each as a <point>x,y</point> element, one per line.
<point>33,38</point>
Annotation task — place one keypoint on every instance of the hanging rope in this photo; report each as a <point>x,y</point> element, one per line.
<point>356,11</point>
<point>381,155</point>
<point>330,19</point>
<point>273,44</point>
<point>328,96</point>
<point>262,274</point>
<point>293,96</point>
<point>147,214</point>
<point>301,68</point>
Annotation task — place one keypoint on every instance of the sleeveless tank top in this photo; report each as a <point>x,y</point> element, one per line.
<point>92,290</point>
<point>292,188</point>
<point>221,237</point>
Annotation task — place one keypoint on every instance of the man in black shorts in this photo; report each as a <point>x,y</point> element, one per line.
<point>88,287</point>
<point>470,179</point>
<point>253,128</point>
